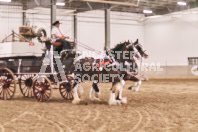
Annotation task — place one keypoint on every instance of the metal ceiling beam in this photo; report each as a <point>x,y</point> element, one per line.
<point>95,6</point>
<point>110,2</point>
<point>158,6</point>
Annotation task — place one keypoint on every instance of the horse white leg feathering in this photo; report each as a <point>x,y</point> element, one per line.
<point>93,95</point>
<point>81,91</point>
<point>120,89</point>
<point>94,92</point>
<point>112,100</point>
<point>137,86</point>
<point>97,95</point>
<point>76,99</point>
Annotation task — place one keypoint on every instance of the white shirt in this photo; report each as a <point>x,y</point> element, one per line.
<point>56,31</point>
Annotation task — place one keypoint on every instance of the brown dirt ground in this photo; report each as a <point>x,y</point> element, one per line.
<point>160,105</point>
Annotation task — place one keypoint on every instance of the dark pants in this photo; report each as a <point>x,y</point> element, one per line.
<point>65,44</point>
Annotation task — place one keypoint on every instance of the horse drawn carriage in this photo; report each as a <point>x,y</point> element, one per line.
<point>38,71</point>
<point>21,63</point>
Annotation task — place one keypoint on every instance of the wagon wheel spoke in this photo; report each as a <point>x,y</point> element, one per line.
<point>6,97</point>
<point>23,88</point>
<point>8,92</point>
<point>25,91</point>
<point>42,90</point>
<point>47,96</point>
<point>4,94</point>
<point>39,97</point>
<point>26,85</point>
<point>31,94</point>
<point>31,91</point>
<point>44,97</point>
<point>65,90</point>
<point>65,94</point>
<point>71,95</point>
<point>7,84</point>
<point>28,92</point>
<point>1,91</point>
<point>37,93</point>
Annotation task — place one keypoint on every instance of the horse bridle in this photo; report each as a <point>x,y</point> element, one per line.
<point>132,44</point>
<point>144,52</point>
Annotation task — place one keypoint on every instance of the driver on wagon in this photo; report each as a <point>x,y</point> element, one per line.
<point>57,34</point>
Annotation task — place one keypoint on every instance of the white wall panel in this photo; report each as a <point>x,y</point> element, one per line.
<point>125,32</point>
<point>124,27</point>
<point>90,25</point>
<point>91,29</point>
<point>172,40</point>
<point>9,20</point>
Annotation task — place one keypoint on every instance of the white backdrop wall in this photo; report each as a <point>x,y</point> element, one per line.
<point>90,27</point>
<point>9,20</point>
<point>172,40</point>
<point>168,40</point>
<point>124,26</point>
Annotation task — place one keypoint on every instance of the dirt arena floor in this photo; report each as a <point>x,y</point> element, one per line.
<point>165,105</point>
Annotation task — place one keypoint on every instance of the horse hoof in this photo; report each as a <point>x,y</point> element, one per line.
<point>130,88</point>
<point>77,101</point>
<point>116,103</point>
<point>124,100</point>
<point>95,99</point>
<point>146,79</point>
<point>133,89</point>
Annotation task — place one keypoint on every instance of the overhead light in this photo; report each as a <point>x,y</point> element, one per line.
<point>5,0</point>
<point>147,11</point>
<point>181,3</point>
<point>60,4</point>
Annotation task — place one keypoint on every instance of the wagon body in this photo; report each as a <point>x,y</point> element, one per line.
<point>25,70</point>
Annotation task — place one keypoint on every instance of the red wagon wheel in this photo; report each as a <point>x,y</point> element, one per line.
<point>66,91</point>
<point>7,84</point>
<point>26,85</point>
<point>42,89</point>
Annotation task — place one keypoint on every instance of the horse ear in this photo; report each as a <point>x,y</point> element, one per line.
<point>137,41</point>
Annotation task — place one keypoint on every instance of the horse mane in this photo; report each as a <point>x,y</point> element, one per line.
<point>119,46</point>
